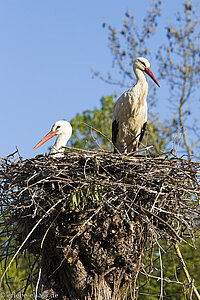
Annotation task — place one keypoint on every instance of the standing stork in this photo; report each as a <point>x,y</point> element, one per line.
<point>63,130</point>
<point>130,111</point>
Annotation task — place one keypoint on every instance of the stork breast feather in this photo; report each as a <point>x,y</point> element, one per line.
<point>125,105</point>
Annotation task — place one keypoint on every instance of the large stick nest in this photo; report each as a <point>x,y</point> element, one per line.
<point>92,212</point>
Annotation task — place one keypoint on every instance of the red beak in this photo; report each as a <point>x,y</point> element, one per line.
<point>148,71</point>
<point>46,138</point>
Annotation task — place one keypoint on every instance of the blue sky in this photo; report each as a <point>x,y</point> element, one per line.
<point>47,51</point>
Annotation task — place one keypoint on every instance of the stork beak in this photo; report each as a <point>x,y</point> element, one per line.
<point>148,72</point>
<point>46,138</point>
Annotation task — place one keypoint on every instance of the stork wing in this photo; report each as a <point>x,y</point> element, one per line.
<point>114,133</point>
<point>142,132</point>
<point>125,105</point>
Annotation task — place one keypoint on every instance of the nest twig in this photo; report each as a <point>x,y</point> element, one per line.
<point>92,212</point>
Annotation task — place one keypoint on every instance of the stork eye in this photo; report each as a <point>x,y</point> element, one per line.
<point>58,127</point>
<point>142,63</point>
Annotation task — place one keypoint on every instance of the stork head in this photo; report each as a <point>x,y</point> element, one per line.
<point>60,128</point>
<point>143,64</point>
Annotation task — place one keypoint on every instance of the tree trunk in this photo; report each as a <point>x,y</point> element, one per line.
<point>97,265</point>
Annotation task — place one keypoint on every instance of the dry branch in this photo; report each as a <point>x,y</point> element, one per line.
<point>88,216</point>
<point>187,274</point>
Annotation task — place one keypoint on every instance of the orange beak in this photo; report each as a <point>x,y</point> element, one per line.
<point>46,138</point>
<point>148,72</point>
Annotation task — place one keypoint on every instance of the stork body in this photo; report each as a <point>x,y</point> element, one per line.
<point>63,130</point>
<point>130,111</point>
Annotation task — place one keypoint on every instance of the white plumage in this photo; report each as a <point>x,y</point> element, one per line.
<point>130,110</point>
<point>63,130</point>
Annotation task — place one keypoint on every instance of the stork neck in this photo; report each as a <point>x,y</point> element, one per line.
<point>141,87</point>
<point>61,141</point>
<point>141,78</point>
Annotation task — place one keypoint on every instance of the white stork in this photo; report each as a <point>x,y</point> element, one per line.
<point>63,130</point>
<point>130,111</point>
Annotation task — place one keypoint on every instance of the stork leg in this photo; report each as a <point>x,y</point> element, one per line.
<point>136,147</point>
<point>141,135</point>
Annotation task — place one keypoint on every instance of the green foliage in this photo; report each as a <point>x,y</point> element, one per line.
<point>173,273</point>
<point>16,281</point>
<point>82,195</point>
<point>84,136</point>
<point>16,277</point>
<point>157,135</point>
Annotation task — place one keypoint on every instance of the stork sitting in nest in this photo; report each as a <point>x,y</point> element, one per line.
<point>63,130</point>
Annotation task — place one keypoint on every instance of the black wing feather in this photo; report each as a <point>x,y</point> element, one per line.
<point>142,133</point>
<point>115,128</point>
